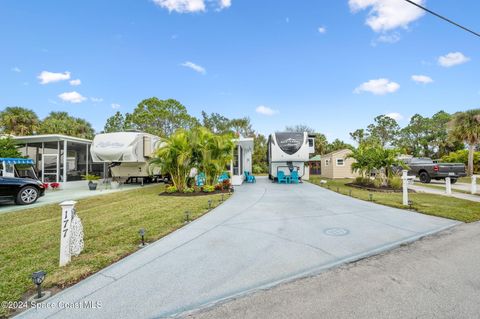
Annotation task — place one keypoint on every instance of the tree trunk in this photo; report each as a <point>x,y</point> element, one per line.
<point>471,150</point>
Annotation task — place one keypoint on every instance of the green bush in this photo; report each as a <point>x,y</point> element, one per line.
<point>395,182</point>
<point>208,189</point>
<point>377,182</point>
<point>188,190</point>
<point>171,189</point>
<point>364,181</point>
<point>259,169</point>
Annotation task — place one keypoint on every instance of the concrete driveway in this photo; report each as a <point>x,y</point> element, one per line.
<point>264,235</point>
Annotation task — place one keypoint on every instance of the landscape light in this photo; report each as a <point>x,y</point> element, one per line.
<point>338,189</point>
<point>187,216</point>
<point>209,204</point>
<point>370,196</point>
<point>410,203</point>
<point>349,192</point>
<point>141,232</point>
<point>222,197</point>
<point>37,278</point>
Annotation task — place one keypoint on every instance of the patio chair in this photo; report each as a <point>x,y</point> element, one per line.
<point>294,177</point>
<point>249,177</point>
<point>200,179</point>
<point>282,178</point>
<point>223,177</point>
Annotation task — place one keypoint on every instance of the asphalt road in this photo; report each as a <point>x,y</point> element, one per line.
<point>436,277</point>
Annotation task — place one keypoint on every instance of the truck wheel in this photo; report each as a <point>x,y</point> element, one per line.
<point>27,195</point>
<point>425,178</point>
<point>453,180</point>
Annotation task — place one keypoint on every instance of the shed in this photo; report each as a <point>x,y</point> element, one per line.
<point>337,165</point>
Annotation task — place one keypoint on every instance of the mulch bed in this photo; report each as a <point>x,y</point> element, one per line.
<point>178,194</point>
<point>381,189</point>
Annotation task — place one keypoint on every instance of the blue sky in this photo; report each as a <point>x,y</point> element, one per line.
<point>333,65</point>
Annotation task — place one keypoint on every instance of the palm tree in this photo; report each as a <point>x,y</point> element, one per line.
<point>465,127</point>
<point>18,121</point>
<point>175,157</point>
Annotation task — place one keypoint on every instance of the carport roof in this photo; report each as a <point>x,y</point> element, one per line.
<point>49,138</point>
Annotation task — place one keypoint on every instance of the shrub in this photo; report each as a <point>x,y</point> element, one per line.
<point>377,182</point>
<point>395,182</point>
<point>218,187</point>
<point>226,185</point>
<point>188,190</point>
<point>208,189</point>
<point>171,189</point>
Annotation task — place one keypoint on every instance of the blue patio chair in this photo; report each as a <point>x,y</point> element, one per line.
<point>294,177</point>
<point>223,177</point>
<point>200,179</point>
<point>282,178</point>
<point>249,177</point>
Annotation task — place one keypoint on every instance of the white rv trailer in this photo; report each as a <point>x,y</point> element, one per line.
<point>127,153</point>
<point>290,151</point>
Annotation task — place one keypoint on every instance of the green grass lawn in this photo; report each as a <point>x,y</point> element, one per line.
<point>467,179</point>
<point>30,238</point>
<point>436,205</point>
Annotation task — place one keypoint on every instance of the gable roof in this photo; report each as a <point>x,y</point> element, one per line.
<point>337,151</point>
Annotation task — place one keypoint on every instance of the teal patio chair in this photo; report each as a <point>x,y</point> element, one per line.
<point>249,177</point>
<point>282,178</point>
<point>294,177</point>
<point>200,179</point>
<point>223,177</point>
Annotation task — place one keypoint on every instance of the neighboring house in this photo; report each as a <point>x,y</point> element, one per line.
<point>315,165</point>
<point>336,165</point>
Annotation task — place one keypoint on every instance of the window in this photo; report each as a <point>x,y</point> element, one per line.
<point>340,162</point>
<point>310,142</point>
<point>327,162</point>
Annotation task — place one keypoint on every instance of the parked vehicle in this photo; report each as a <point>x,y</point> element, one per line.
<point>427,169</point>
<point>128,155</point>
<point>289,151</point>
<point>24,189</point>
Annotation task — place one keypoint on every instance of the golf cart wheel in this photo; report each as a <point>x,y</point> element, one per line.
<point>27,195</point>
<point>453,180</point>
<point>425,178</point>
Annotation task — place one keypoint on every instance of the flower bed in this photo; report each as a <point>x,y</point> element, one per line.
<point>382,189</point>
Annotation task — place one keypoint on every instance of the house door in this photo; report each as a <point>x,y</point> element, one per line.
<point>50,165</point>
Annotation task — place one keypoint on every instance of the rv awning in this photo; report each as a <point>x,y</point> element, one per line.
<point>16,160</point>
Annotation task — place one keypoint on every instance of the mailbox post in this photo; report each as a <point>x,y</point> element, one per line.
<point>405,179</point>
<point>474,184</point>
<point>71,233</point>
<point>448,185</point>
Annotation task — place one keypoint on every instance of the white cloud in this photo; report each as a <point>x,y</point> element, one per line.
<point>394,115</point>
<point>452,59</point>
<point>115,106</point>
<point>378,87</point>
<point>189,6</point>
<point>96,99</point>
<point>265,110</point>
<point>385,15</point>
<point>181,6</point>
<point>195,67</point>
<point>224,3</point>
<point>16,69</point>
<point>389,38</point>
<point>49,77</point>
<point>75,82</point>
<point>72,97</point>
<point>322,30</point>
<point>424,79</point>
